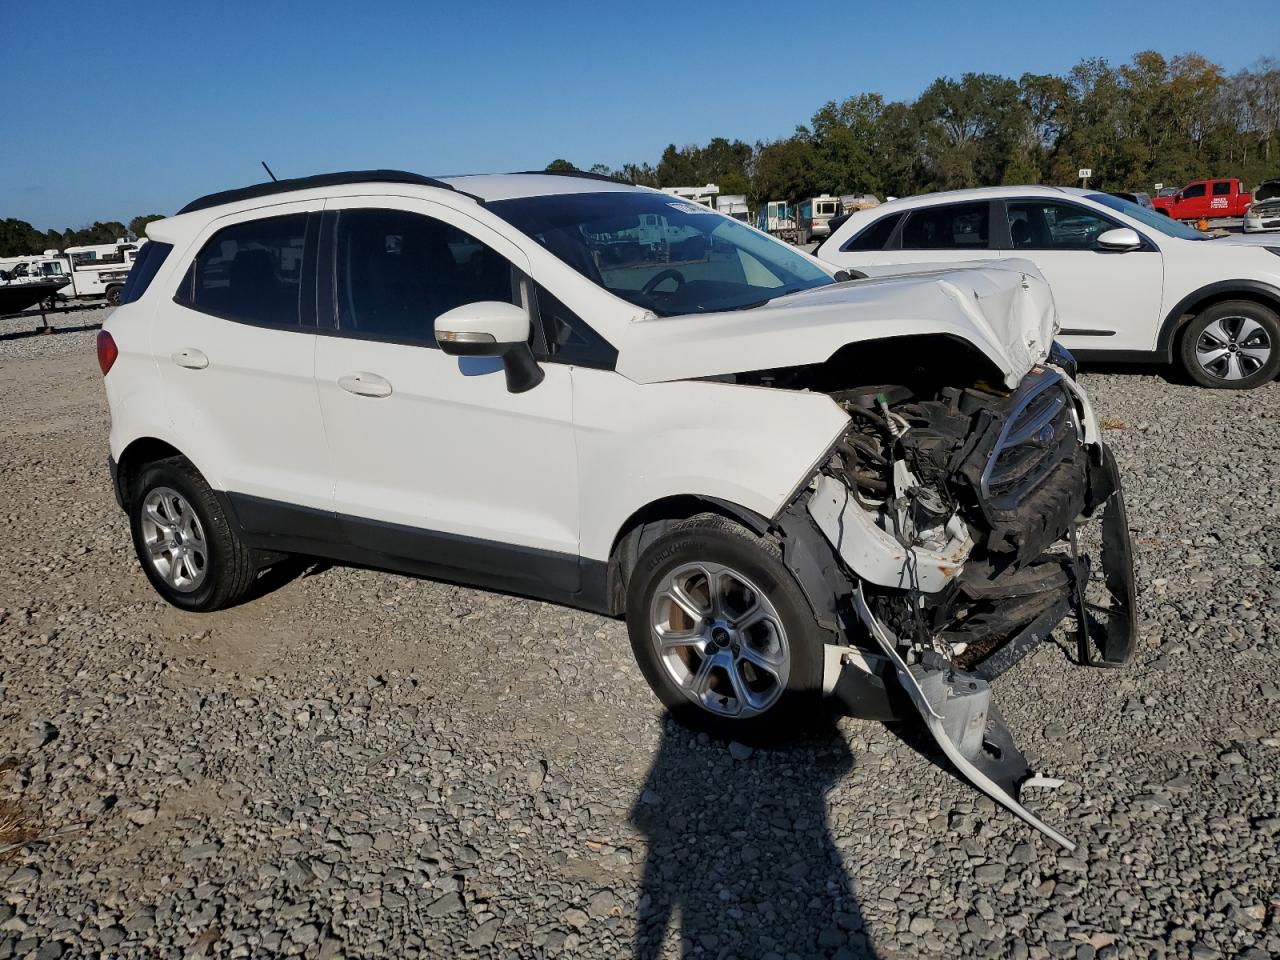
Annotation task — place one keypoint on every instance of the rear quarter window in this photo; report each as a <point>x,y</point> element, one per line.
<point>149,260</point>
<point>875,236</point>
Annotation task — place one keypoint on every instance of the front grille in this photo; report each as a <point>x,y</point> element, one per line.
<point>1041,432</point>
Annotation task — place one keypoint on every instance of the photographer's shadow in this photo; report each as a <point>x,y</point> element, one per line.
<point>740,855</point>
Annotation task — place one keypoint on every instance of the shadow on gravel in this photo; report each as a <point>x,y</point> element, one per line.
<point>741,856</point>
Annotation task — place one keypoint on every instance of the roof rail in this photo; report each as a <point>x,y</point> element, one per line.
<point>584,174</point>
<point>306,183</point>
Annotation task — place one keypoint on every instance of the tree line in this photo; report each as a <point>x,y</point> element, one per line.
<point>19,238</point>
<point>1151,120</point>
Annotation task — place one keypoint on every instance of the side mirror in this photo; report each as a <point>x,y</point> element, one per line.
<point>491,328</point>
<point>1120,239</point>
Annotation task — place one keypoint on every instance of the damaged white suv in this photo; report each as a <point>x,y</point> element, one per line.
<point>790,483</point>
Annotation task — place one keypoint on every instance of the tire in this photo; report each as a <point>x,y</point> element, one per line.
<point>113,296</point>
<point>1242,337</point>
<point>699,690</point>
<point>201,564</point>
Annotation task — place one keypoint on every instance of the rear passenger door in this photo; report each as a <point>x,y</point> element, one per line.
<point>434,460</point>
<point>235,347</point>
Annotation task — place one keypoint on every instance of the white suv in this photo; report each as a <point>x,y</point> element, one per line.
<point>789,483</point>
<point>1130,283</point>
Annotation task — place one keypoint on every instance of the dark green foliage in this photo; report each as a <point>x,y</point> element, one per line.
<point>1150,120</point>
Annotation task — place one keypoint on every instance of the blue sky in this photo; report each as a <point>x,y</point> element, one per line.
<point>136,107</point>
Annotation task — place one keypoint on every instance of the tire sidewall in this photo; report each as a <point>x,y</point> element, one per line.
<point>801,700</point>
<point>1243,308</point>
<point>163,474</point>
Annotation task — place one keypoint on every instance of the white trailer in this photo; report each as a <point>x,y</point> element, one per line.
<point>734,205</point>
<point>704,195</point>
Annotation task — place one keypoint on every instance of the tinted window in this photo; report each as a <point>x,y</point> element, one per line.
<point>961,226</point>
<point>1222,188</point>
<point>875,236</point>
<point>250,272</point>
<point>1195,190</point>
<point>569,339</point>
<point>1049,225</point>
<point>143,271</point>
<point>398,271</point>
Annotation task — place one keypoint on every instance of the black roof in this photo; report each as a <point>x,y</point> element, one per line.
<point>304,183</point>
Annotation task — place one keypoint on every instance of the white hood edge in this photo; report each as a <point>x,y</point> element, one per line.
<point>1003,307</point>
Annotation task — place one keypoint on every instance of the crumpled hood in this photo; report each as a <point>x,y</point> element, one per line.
<point>1004,308</point>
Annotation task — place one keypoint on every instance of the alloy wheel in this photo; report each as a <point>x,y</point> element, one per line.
<point>174,539</point>
<point>720,640</point>
<point>1232,348</point>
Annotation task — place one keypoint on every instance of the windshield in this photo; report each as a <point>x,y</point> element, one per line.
<point>661,253</point>
<point>1150,218</point>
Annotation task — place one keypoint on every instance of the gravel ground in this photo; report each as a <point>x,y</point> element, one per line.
<point>360,764</point>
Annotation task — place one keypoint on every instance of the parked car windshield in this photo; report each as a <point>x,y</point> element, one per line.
<point>662,253</point>
<point>1156,221</point>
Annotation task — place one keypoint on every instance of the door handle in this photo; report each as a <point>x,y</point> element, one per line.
<point>191,358</point>
<point>364,384</point>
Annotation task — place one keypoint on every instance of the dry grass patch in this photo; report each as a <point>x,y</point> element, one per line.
<point>16,828</point>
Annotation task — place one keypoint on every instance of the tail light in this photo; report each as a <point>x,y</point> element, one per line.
<point>107,351</point>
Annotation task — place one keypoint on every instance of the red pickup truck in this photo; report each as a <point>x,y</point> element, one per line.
<point>1206,198</point>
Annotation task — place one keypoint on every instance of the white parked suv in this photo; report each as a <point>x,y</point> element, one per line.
<point>792,485</point>
<point>1130,283</point>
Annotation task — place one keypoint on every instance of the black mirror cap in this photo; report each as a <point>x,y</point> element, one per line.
<point>473,348</point>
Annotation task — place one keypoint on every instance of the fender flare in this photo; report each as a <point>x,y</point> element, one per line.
<point>1218,290</point>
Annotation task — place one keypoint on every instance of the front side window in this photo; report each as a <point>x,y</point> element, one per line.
<point>875,236</point>
<point>1193,191</point>
<point>397,271</point>
<point>1149,218</point>
<point>1049,225</point>
<point>250,272</point>
<point>956,226</point>
<point>662,254</point>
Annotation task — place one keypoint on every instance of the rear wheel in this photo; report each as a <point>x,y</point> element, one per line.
<point>187,547</point>
<point>113,295</point>
<point>723,634</point>
<point>1233,345</point>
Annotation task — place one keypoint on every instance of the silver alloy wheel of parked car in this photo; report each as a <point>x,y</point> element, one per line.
<point>175,540</point>
<point>720,640</point>
<point>1233,347</point>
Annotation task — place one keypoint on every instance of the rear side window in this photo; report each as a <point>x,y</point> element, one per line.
<point>250,272</point>
<point>875,236</point>
<point>398,271</point>
<point>959,226</point>
<point>148,262</point>
<point>1222,188</point>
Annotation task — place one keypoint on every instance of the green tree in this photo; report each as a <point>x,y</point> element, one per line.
<point>560,166</point>
<point>138,225</point>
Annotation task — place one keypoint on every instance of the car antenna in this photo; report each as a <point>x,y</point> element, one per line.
<point>269,173</point>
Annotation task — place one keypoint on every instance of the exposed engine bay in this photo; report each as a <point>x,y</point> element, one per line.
<point>956,510</point>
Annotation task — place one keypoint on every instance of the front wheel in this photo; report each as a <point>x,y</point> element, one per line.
<point>1233,345</point>
<point>723,633</point>
<point>187,547</point>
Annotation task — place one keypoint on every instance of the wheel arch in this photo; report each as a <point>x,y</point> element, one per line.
<point>651,521</point>
<point>134,457</point>
<point>1204,297</point>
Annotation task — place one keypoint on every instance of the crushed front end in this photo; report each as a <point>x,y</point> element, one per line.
<point>971,521</point>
